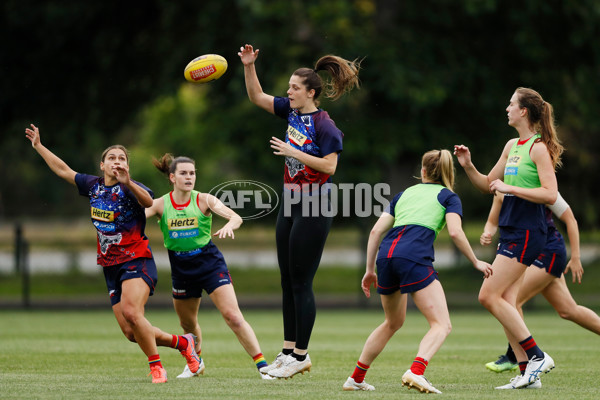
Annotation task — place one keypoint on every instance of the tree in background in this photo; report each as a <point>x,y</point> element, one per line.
<point>435,73</point>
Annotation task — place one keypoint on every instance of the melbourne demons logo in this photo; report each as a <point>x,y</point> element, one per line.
<point>294,166</point>
<point>106,241</point>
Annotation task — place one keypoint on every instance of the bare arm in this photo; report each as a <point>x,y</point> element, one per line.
<point>255,93</point>
<point>491,225</point>
<point>157,208</point>
<point>548,190</point>
<point>326,165</point>
<point>457,235</point>
<point>58,166</point>
<point>480,181</point>
<point>141,194</point>
<point>383,224</point>
<point>573,233</point>
<point>217,206</point>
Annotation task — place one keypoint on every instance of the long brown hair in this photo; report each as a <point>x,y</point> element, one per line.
<point>167,164</point>
<point>344,76</point>
<point>439,167</point>
<point>540,114</point>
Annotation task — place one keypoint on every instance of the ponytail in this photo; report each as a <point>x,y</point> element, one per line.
<point>439,167</point>
<point>167,164</point>
<point>540,114</point>
<point>344,76</point>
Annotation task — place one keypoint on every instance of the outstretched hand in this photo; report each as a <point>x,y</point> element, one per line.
<point>248,55</point>
<point>33,135</point>
<point>227,230</point>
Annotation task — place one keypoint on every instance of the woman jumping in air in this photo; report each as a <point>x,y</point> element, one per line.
<point>311,148</point>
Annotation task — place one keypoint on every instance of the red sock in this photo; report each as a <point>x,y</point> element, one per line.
<point>418,366</point>
<point>154,360</point>
<point>179,342</point>
<point>523,366</point>
<point>359,372</point>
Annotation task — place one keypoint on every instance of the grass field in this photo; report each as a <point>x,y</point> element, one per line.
<point>83,355</point>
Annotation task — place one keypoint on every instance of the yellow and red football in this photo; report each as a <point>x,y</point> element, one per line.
<point>205,68</point>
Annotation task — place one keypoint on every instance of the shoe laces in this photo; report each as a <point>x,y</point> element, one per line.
<point>156,372</point>
<point>288,361</point>
<point>534,358</point>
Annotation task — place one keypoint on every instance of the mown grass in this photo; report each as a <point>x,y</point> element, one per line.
<point>336,285</point>
<point>83,355</point>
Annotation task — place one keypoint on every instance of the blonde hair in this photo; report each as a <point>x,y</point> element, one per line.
<point>540,115</point>
<point>439,167</point>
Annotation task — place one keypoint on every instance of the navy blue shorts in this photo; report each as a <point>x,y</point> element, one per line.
<point>554,256</point>
<point>144,268</point>
<point>198,270</point>
<point>523,244</point>
<point>397,273</point>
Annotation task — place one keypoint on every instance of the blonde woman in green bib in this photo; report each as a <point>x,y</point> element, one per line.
<point>525,173</point>
<point>185,218</point>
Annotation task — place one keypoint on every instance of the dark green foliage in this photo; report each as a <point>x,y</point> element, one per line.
<point>435,73</point>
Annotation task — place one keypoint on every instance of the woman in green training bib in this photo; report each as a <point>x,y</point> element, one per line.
<point>525,173</point>
<point>185,218</point>
<point>404,260</point>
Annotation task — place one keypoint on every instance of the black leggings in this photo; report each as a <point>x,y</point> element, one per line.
<point>300,241</point>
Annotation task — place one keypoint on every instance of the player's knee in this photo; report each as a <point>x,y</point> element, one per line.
<point>131,315</point>
<point>188,326</point>
<point>485,299</point>
<point>446,327</point>
<point>394,324</point>
<point>233,318</point>
<point>565,314</point>
<point>129,335</point>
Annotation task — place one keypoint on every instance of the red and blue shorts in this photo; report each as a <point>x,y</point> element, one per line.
<point>197,271</point>
<point>522,244</point>
<point>402,274</point>
<point>114,275</point>
<point>554,256</point>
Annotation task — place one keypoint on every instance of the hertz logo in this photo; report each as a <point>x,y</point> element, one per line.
<point>513,160</point>
<point>103,215</point>
<point>182,223</point>
<point>295,135</point>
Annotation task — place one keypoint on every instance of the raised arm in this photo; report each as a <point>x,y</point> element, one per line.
<point>255,93</point>
<point>479,180</point>
<point>58,166</point>
<point>459,238</point>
